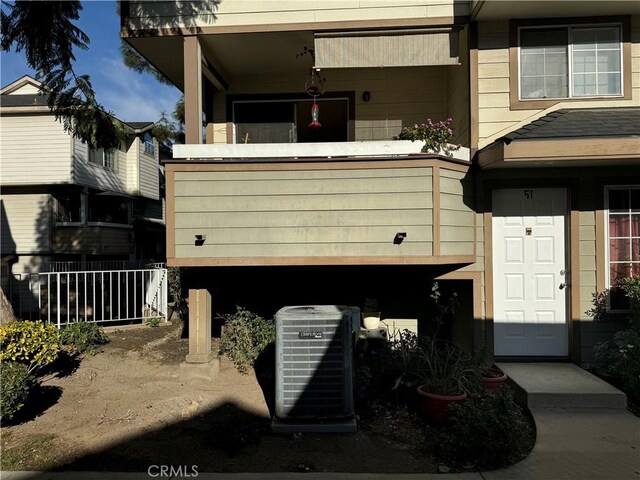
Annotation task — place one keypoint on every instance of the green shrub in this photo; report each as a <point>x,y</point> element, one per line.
<point>15,384</point>
<point>35,344</point>
<point>489,431</point>
<point>176,290</point>
<point>154,322</point>
<point>631,287</point>
<point>620,360</point>
<point>82,336</point>
<point>245,336</point>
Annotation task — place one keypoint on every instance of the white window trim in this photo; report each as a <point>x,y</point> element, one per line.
<point>152,148</point>
<point>607,248</point>
<point>569,27</point>
<point>104,159</point>
<point>151,143</point>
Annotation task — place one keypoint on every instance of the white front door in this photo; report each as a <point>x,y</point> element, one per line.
<point>529,272</point>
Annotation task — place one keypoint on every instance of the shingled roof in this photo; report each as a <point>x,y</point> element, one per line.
<point>38,100</point>
<point>583,122</point>
<point>139,125</point>
<point>30,100</point>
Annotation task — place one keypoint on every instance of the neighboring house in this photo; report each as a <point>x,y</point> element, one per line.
<point>526,221</point>
<point>64,202</point>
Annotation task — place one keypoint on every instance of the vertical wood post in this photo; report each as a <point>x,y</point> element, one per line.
<point>199,326</point>
<point>192,90</point>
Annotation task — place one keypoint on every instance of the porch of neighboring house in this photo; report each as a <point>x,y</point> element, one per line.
<point>108,293</point>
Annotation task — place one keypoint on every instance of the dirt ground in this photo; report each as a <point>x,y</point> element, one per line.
<point>125,408</point>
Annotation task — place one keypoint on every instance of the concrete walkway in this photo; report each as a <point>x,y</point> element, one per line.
<point>584,432</point>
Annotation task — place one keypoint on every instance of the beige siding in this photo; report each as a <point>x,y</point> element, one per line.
<point>96,176</point>
<point>304,213</point>
<point>457,233</point>
<point>458,94</point>
<point>587,244</point>
<point>26,223</point>
<point>27,264</point>
<point>92,240</point>
<point>593,333</point>
<point>27,89</point>
<point>133,165</point>
<point>34,150</point>
<point>149,173</point>
<point>166,14</point>
<point>495,116</point>
<point>399,97</point>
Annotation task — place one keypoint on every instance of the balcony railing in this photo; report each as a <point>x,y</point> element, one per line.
<point>329,150</point>
<point>100,265</point>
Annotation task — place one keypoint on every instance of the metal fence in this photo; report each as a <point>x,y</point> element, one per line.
<point>103,265</point>
<point>89,296</point>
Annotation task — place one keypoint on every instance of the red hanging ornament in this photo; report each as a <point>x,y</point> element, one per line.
<point>314,87</point>
<point>315,115</point>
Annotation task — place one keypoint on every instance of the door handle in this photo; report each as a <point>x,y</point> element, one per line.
<point>563,286</point>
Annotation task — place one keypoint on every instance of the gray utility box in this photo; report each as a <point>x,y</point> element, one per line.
<point>314,381</point>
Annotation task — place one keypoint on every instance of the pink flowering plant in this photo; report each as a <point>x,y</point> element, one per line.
<point>435,135</point>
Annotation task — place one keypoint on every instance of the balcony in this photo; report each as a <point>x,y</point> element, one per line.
<point>339,151</point>
<point>342,203</point>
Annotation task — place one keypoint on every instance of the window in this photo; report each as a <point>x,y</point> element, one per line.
<point>570,62</point>
<point>68,208</point>
<point>108,209</point>
<point>104,159</point>
<point>149,148</point>
<point>623,206</point>
<point>287,121</point>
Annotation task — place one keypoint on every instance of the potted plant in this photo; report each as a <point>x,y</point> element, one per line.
<point>435,135</point>
<point>446,371</point>
<point>370,314</point>
<point>446,376</point>
<point>491,375</point>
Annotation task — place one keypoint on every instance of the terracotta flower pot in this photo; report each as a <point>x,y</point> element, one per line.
<point>493,378</point>
<point>435,408</point>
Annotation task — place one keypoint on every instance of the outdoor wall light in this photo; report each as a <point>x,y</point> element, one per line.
<point>200,240</point>
<point>399,238</point>
<point>366,96</point>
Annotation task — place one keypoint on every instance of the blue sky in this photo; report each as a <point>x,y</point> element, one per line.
<point>130,96</point>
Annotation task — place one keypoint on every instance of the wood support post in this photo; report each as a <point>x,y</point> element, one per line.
<point>192,90</point>
<point>199,326</point>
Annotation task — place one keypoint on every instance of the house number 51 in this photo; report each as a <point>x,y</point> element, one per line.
<point>528,194</point>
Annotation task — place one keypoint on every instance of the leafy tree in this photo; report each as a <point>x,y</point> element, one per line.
<point>46,33</point>
<point>138,63</point>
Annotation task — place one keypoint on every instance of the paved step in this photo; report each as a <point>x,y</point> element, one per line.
<point>579,444</point>
<point>563,385</point>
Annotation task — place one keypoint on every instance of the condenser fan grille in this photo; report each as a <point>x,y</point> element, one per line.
<point>313,378</point>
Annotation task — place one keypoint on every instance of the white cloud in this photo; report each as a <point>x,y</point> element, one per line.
<point>130,96</point>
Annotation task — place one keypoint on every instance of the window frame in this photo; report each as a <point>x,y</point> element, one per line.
<point>293,101</point>
<point>83,211</point>
<point>349,96</point>
<point>148,146</point>
<point>607,246</point>
<point>570,29</point>
<point>104,223</point>
<point>103,155</point>
<point>515,26</point>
